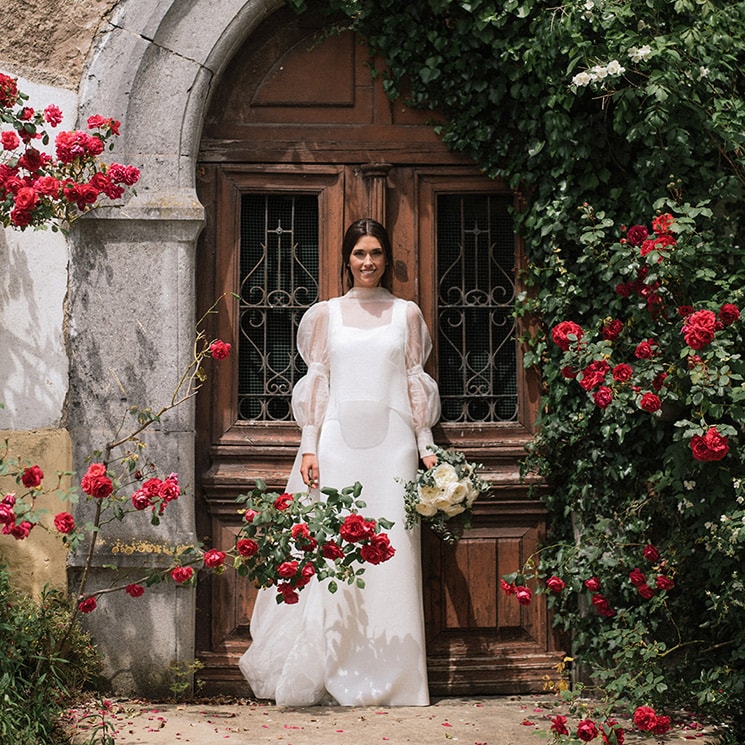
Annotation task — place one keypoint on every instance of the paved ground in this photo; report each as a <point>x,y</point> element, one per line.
<point>514,720</point>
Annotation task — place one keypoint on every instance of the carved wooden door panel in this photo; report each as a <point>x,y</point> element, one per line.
<point>285,165</point>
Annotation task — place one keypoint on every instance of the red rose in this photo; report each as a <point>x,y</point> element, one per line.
<point>96,483</point>
<point>699,328</point>
<point>637,234</point>
<point>378,550</point>
<point>568,373</point>
<point>134,590</point>
<point>728,314</point>
<point>524,595</point>
<point>602,606</point>
<point>594,374</point>
<point>637,578</point>
<point>64,522</point>
<point>662,223</point>
<point>587,730</point>
<point>645,717</point>
<point>287,569</point>
<point>282,502</point>
<point>624,289</point>
<point>555,584</point>
<point>612,329</point>
<point>246,547</point>
<point>288,593</point>
<point>611,728</point>
<point>664,583</point>
<point>48,186</point>
<point>650,553</point>
<point>661,243</point>
<point>249,515</point>
<point>646,591</point>
<point>355,529</point>
<point>661,725</point>
<point>9,140</point>
<point>645,350</point>
<point>712,446</point>
<point>603,397</point>
<point>650,402</point>
<point>559,725</point>
<point>7,515</point>
<point>169,488</point>
<point>622,372</point>
<point>20,531</point>
<point>508,587</point>
<point>685,310</point>
<point>181,574</point>
<point>593,584</point>
<point>220,349</point>
<point>141,500</point>
<point>566,333</point>
<point>31,477</point>
<point>331,550</point>
<point>128,175</point>
<point>8,91</point>
<point>53,115</point>
<point>214,558</point>
<point>87,605</point>
<point>26,198</point>
<point>659,381</point>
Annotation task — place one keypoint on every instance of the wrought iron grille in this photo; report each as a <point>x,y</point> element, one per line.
<point>477,353</point>
<point>278,283</point>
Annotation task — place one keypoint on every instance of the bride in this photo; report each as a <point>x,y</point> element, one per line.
<point>366,408</point>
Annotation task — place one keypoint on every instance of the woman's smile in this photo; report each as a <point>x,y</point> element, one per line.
<point>367,262</point>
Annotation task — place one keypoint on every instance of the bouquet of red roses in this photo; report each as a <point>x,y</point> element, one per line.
<point>286,539</point>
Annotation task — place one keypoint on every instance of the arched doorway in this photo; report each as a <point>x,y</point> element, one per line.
<point>298,141</point>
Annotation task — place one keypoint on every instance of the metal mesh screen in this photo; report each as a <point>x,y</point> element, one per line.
<point>476,292</point>
<point>278,283</point>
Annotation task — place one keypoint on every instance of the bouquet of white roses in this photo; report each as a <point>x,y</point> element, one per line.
<point>443,496</point>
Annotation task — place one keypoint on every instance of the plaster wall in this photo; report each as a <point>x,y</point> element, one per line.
<point>105,321</point>
<point>40,560</point>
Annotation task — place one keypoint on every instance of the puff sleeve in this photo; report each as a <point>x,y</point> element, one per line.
<point>310,395</point>
<point>424,395</point>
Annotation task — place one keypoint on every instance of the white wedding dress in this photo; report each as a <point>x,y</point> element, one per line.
<point>366,408</point>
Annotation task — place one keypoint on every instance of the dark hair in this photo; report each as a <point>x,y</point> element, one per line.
<point>357,230</point>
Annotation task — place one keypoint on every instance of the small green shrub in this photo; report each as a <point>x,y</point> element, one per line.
<point>44,665</point>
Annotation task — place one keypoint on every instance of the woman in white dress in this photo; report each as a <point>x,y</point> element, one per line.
<point>366,408</point>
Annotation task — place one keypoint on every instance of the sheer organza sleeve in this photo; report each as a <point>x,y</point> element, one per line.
<point>423,393</point>
<point>311,393</point>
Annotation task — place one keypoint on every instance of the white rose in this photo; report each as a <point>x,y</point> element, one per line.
<point>444,474</point>
<point>581,80</point>
<point>425,509</point>
<point>639,54</point>
<point>615,68</point>
<point>454,509</point>
<point>457,492</point>
<point>599,72</point>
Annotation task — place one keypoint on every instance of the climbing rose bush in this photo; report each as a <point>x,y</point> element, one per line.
<point>38,189</point>
<point>641,440</point>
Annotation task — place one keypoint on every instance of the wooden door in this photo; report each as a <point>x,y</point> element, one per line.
<point>287,162</point>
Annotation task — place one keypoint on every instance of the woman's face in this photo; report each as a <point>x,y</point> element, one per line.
<point>367,262</point>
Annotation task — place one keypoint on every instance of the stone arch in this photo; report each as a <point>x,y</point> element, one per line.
<point>131,300</point>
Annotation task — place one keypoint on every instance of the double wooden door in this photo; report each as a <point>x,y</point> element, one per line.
<point>287,163</point>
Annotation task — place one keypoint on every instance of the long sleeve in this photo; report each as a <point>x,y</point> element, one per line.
<point>310,395</point>
<point>424,395</point>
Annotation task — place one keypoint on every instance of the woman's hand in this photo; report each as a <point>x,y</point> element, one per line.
<point>430,461</point>
<point>309,470</point>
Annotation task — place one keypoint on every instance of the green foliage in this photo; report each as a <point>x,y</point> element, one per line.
<point>620,104</point>
<point>44,665</point>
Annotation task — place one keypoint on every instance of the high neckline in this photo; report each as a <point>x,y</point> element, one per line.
<point>368,293</point>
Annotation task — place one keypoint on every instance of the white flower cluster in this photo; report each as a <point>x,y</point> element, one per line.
<point>598,74</point>
<point>449,493</point>
<point>444,492</point>
<point>638,54</point>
